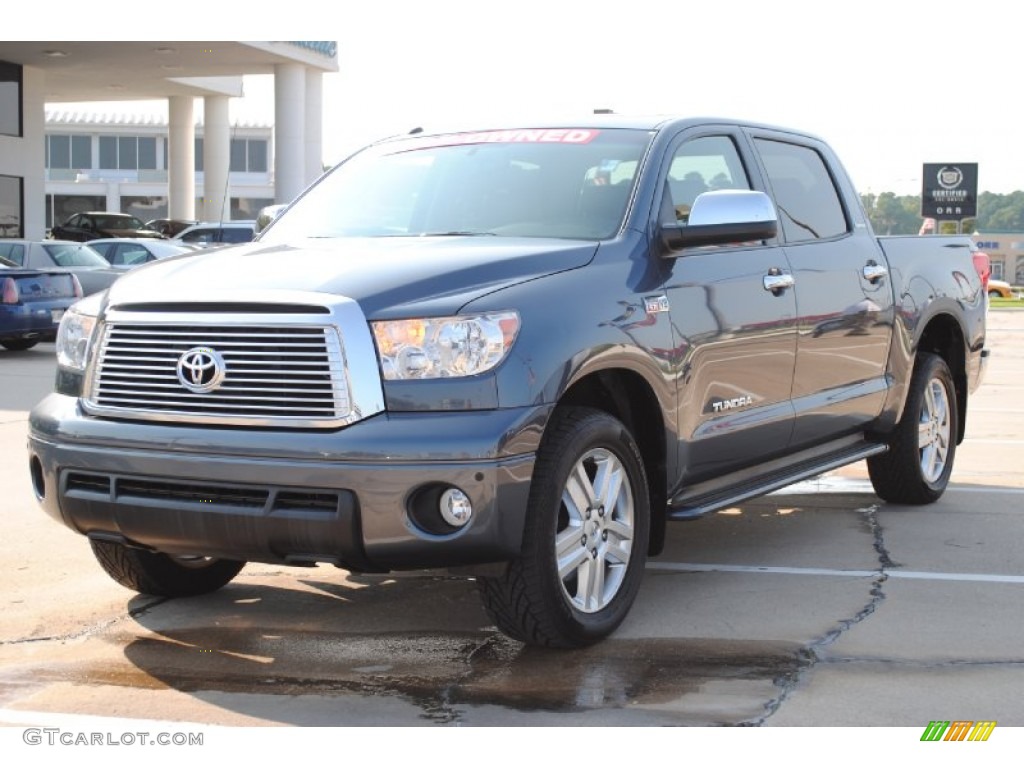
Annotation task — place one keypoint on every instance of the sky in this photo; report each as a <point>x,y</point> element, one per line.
<point>890,85</point>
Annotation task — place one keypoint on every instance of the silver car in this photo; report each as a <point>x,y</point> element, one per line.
<point>92,270</point>
<point>125,252</point>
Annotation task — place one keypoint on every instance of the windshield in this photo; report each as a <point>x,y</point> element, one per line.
<point>565,183</point>
<point>74,255</point>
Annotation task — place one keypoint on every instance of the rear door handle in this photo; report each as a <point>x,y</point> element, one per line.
<point>873,272</point>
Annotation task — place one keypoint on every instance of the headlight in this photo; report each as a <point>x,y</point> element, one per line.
<point>444,347</point>
<point>74,335</point>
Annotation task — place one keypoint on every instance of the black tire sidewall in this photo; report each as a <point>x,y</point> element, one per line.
<point>896,475</point>
<point>594,429</point>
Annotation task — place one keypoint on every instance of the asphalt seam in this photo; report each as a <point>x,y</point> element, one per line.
<point>90,630</point>
<point>810,655</point>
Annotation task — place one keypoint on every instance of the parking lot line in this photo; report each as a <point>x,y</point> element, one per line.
<point>990,578</point>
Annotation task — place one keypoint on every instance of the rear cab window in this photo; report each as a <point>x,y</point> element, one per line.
<point>806,197</point>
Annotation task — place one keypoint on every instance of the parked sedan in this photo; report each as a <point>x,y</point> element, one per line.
<point>125,253</point>
<point>212,233</point>
<point>1000,289</point>
<point>91,269</point>
<point>83,227</point>
<point>32,302</point>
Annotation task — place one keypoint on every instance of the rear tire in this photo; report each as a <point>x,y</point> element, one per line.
<point>18,345</point>
<point>917,467</point>
<point>154,573</point>
<point>585,540</point>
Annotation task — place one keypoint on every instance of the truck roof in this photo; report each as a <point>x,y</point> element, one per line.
<point>599,120</point>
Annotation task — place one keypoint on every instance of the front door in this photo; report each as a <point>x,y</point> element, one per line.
<point>735,337</point>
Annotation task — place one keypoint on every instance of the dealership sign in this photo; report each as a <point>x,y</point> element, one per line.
<point>949,190</point>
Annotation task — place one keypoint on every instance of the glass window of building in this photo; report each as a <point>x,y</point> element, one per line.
<point>248,156</point>
<point>257,156</point>
<point>10,99</point>
<point>12,206</point>
<point>68,152</point>
<point>60,208</point>
<point>128,153</point>
<point>147,153</point>
<point>108,152</point>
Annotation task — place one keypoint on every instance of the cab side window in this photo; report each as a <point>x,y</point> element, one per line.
<point>805,194</point>
<point>702,165</point>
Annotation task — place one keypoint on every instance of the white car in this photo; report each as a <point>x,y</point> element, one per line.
<point>218,233</point>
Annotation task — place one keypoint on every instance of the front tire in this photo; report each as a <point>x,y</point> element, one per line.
<point>154,573</point>
<point>585,540</point>
<point>917,467</point>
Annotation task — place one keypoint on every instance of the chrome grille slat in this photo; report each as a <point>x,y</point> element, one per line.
<point>288,375</point>
<point>227,349</point>
<point>248,406</point>
<point>220,333</point>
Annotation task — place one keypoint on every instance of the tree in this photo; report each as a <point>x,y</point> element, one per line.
<point>893,215</point>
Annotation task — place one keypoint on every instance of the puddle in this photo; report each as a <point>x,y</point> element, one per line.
<point>406,651</point>
<point>447,676</point>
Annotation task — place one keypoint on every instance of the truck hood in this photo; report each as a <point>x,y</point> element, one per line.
<point>389,277</point>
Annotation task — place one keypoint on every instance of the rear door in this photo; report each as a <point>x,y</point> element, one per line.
<point>734,337</point>
<point>843,293</point>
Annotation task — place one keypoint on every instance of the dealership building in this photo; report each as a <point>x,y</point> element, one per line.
<point>1006,250</point>
<point>118,162</point>
<point>189,172</point>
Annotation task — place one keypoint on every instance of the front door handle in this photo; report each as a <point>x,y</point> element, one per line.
<point>777,281</point>
<point>873,272</point>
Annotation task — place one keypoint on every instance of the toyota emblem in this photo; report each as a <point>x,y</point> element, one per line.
<point>201,369</point>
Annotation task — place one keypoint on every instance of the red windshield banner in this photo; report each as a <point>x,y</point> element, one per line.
<point>517,136</point>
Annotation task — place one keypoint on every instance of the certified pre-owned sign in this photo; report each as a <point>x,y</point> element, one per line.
<point>949,191</point>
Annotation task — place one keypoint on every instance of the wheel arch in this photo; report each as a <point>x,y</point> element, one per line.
<point>943,336</point>
<point>627,396</point>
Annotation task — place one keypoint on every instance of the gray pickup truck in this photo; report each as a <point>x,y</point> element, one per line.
<point>517,352</point>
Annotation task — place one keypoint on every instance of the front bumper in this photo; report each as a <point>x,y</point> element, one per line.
<point>289,496</point>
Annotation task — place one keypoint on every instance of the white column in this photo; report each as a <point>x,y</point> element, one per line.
<point>314,125</point>
<point>26,156</point>
<point>181,165</point>
<point>289,131</point>
<point>216,159</point>
<point>113,196</point>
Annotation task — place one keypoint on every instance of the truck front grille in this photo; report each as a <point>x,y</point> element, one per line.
<point>277,375</point>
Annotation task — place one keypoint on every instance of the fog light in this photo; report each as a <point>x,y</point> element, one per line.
<point>455,507</point>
